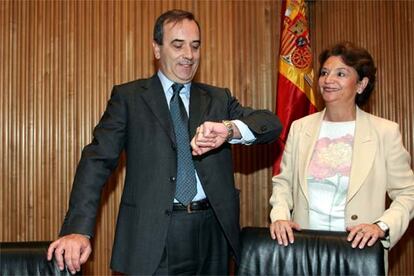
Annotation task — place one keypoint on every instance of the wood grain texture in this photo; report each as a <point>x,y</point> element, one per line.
<point>60,59</point>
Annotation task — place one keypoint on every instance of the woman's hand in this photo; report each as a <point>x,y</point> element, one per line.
<point>282,230</point>
<point>364,234</point>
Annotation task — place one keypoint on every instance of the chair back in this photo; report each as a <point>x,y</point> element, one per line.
<point>312,253</point>
<point>27,258</point>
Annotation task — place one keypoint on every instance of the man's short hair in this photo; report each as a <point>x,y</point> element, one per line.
<point>173,16</point>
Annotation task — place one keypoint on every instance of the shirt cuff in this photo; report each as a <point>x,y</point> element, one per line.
<point>247,136</point>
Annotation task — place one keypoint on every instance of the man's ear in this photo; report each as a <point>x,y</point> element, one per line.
<point>156,49</point>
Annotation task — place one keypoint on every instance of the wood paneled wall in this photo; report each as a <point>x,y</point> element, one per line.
<point>59,60</point>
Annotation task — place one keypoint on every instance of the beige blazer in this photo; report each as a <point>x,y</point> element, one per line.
<point>380,165</point>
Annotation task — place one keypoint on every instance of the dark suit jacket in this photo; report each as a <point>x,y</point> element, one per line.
<point>137,120</point>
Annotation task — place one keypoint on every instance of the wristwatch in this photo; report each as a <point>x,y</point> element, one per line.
<point>230,130</point>
<point>384,227</point>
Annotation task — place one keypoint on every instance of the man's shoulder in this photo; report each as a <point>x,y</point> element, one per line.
<point>135,84</point>
<point>208,87</point>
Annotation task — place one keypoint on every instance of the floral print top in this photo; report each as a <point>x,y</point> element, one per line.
<point>328,175</point>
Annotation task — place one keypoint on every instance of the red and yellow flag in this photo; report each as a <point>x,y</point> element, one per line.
<point>295,95</point>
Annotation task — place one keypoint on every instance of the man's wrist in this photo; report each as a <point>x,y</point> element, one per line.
<point>230,130</point>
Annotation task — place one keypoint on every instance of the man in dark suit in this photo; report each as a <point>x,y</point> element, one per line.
<point>170,221</point>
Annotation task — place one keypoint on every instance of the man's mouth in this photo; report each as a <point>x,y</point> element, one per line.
<point>186,63</point>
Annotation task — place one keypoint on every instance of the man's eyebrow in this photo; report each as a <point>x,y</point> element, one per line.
<point>182,40</point>
<point>177,40</point>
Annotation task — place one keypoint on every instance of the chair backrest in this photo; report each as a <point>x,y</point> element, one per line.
<point>27,258</point>
<point>312,253</point>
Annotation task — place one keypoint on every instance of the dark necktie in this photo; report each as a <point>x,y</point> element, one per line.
<point>186,182</point>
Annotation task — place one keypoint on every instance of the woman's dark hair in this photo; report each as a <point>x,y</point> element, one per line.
<point>174,16</point>
<point>359,59</point>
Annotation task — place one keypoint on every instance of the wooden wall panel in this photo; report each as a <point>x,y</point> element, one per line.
<point>60,59</point>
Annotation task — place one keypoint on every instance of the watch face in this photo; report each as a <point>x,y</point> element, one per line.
<point>383,226</point>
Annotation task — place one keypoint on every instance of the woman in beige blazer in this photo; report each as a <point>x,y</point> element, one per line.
<point>339,164</point>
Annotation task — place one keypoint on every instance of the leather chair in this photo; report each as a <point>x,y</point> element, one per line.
<point>27,258</point>
<point>312,253</point>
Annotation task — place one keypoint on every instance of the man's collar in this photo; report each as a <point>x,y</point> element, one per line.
<point>166,83</point>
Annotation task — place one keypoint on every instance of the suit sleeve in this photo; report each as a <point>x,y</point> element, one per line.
<point>98,160</point>
<point>400,186</point>
<point>265,125</point>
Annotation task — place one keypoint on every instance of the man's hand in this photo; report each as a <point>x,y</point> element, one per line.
<point>72,250</point>
<point>364,234</point>
<point>282,230</point>
<point>210,135</point>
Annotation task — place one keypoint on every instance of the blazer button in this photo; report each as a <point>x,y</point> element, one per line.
<point>167,212</point>
<point>354,217</point>
<point>263,128</point>
<point>173,178</point>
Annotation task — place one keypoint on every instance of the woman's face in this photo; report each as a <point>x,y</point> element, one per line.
<point>339,83</point>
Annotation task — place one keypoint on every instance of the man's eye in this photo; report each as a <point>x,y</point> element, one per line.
<point>177,46</point>
<point>341,74</point>
<point>196,46</point>
<point>324,73</point>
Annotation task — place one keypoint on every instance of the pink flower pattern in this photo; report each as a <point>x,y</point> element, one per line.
<point>331,157</point>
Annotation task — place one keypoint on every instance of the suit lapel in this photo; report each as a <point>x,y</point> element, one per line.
<point>306,145</point>
<point>199,103</point>
<point>363,153</point>
<point>153,95</point>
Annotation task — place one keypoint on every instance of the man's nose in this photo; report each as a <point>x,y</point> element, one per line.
<point>188,52</point>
